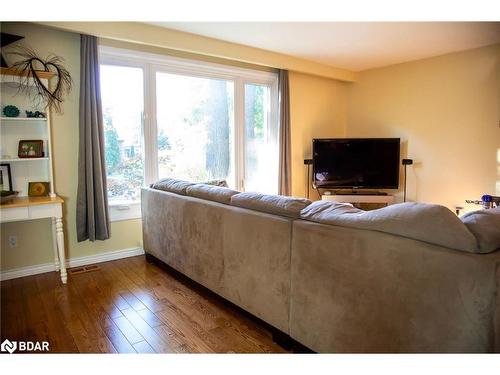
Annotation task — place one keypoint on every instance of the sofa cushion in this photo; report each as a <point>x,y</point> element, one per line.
<point>420,221</point>
<point>172,185</point>
<point>323,211</point>
<point>217,182</point>
<point>273,204</point>
<point>211,193</point>
<point>485,225</point>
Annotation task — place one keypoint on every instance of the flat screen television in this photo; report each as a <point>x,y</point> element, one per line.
<point>370,163</point>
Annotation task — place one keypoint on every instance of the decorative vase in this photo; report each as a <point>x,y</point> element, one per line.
<point>11,111</point>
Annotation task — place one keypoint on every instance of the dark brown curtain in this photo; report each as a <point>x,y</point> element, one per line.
<point>92,215</point>
<point>285,177</point>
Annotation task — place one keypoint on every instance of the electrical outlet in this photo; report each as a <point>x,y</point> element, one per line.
<point>12,241</point>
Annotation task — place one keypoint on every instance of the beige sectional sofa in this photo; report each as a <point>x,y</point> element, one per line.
<point>334,278</point>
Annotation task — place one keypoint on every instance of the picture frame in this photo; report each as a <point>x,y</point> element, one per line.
<point>30,148</point>
<point>38,189</point>
<point>5,177</point>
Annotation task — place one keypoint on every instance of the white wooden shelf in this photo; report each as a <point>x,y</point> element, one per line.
<point>9,75</point>
<point>22,159</point>
<point>30,119</point>
<point>14,72</point>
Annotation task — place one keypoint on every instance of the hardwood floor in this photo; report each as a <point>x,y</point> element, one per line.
<point>127,306</point>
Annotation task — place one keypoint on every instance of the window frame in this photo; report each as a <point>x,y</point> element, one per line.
<point>151,64</point>
<point>120,211</point>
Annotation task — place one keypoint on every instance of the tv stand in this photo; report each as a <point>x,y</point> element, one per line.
<point>357,197</point>
<point>357,192</point>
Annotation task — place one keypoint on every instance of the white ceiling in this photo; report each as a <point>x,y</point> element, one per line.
<point>351,45</point>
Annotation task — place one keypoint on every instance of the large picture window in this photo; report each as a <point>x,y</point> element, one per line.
<point>195,121</point>
<point>179,118</point>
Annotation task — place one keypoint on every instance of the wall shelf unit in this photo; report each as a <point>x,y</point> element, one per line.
<point>14,129</point>
<point>26,170</point>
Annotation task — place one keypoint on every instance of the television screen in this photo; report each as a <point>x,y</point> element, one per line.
<point>356,163</point>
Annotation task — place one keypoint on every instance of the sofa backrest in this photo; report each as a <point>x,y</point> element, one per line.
<point>477,232</point>
<point>211,193</point>
<point>172,185</point>
<point>219,192</point>
<point>429,223</point>
<point>485,225</point>
<point>273,204</point>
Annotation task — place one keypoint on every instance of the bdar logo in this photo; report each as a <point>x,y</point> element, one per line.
<point>24,346</point>
<point>8,346</point>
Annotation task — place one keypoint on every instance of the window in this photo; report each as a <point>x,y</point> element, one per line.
<point>171,117</point>
<point>261,141</point>
<point>195,120</point>
<point>124,153</point>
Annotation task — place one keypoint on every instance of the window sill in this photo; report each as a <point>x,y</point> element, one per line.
<point>124,211</point>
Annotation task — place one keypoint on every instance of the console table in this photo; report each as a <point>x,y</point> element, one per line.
<point>31,208</point>
<point>358,198</point>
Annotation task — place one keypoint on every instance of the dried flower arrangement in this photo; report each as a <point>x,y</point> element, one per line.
<point>28,66</point>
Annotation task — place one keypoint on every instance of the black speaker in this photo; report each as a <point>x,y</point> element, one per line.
<point>406,162</point>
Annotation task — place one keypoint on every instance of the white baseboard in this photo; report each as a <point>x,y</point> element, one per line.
<point>73,262</point>
<point>104,257</point>
<point>27,271</point>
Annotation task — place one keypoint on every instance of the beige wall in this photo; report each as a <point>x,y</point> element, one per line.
<point>318,109</point>
<point>34,238</point>
<point>446,110</point>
